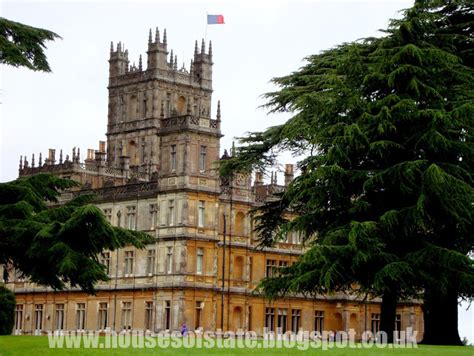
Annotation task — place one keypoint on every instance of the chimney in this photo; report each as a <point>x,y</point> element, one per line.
<point>51,156</point>
<point>102,146</point>
<point>289,173</point>
<point>259,178</point>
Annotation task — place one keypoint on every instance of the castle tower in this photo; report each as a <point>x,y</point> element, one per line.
<point>160,116</point>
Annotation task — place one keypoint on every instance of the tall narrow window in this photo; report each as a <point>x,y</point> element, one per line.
<point>153,216</point>
<point>81,316</point>
<point>295,320</point>
<point>201,213</point>
<point>270,319</point>
<point>144,108</point>
<point>167,320</point>
<point>119,218</point>
<point>102,318</point>
<point>173,158</point>
<point>105,260</point>
<point>249,326</point>
<point>250,269</point>
<point>198,320</point>
<point>143,149</point>
<point>169,260</point>
<point>126,315</point>
<point>170,212</point>
<point>199,260</point>
<point>38,317</point>
<point>128,270</point>
<point>149,316</point>
<point>282,320</point>
<point>19,317</point>
<point>398,324</point>
<point>59,317</point>
<point>202,158</point>
<point>318,320</point>
<point>375,323</point>
<point>131,217</point>
<point>168,104</point>
<point>150,262</point>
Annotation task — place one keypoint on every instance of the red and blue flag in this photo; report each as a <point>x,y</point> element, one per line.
<point>215,19</point>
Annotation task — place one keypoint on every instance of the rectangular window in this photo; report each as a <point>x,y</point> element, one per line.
<point>270,319</point>
<point>131,217</point>
<point>169,260</point>
<point>295,320</point>
<point>126,315</point>
<point>59,317</point>
<point>80,316</point>
<point>143,149</point>
<point>270,268</point>
<point>150,262</point>
<point>201,213</point>
<point>282,320</point>
<point>168,104</point>
<point>250,269</point>
<point>108,214</point>
<point>102,318</point>
<point>171,212</point>
<point>105,260</point>
<point>198,320</point>
<point>375,325</point>
<point>318,320</point>
<point>202,158</point>
<point>149,316</point>
<point>128,268</point>
<point>153,216</point>
<point>173,158</point>
<point>250,318</point>
<point>19,317</point>
<point>38,317</point>
<point>167,320</point>
<point>398,324</point>
<point>199,260</point>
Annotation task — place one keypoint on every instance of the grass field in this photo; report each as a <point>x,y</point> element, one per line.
<point>38,346</point>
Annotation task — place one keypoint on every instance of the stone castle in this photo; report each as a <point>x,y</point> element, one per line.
<point>157,173</point>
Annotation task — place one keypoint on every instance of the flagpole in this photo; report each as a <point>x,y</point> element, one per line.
<point>205,33</point>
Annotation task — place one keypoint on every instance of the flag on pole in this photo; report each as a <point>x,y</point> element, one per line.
<point>215,19</point>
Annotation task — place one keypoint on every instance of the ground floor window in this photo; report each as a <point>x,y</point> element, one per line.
<point>375,325</point>
<point>318,320</point>
<point>38,316</point>
<point>270,319</point>
<point>59,317</point>
<point>19,317</point>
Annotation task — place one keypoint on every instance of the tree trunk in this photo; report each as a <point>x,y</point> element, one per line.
<point>388,311</point>
<point>440,313</point>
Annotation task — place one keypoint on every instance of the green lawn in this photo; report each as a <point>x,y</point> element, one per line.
<point>38,346</point>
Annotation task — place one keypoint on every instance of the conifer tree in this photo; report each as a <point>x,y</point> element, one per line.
<point>23,46</point>
<point>56,244</point>
<point>385,195</point>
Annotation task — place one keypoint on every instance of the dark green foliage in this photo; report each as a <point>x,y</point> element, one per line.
<point>7,311</point>
<point>385,196</point>
<point>23,46</point>
<point>56,244</point>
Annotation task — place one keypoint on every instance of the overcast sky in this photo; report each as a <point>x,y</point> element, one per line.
<point>260,40</point>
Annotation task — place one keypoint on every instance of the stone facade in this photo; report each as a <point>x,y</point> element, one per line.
<point>157,173</point>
